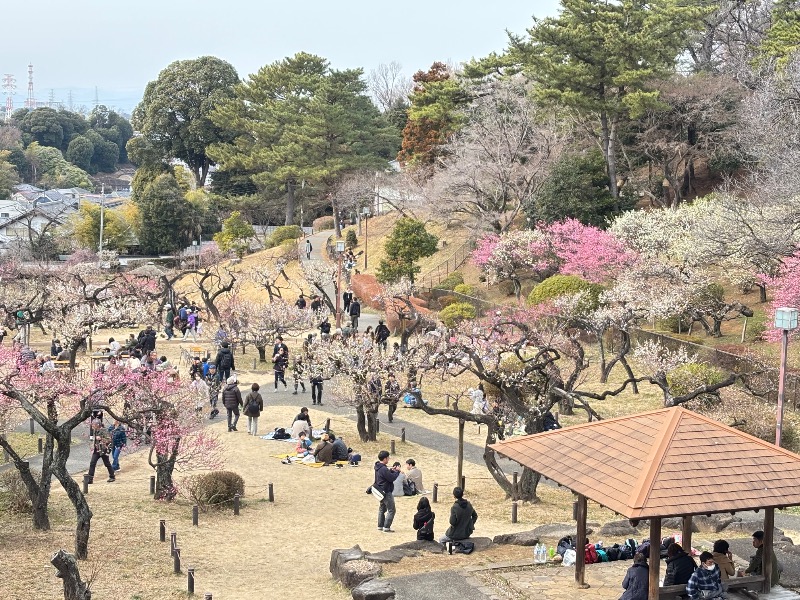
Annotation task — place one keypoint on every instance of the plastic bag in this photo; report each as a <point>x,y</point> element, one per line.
<point>569,558</point>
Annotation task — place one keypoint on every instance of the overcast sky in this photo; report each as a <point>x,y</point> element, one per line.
<point>119,47</point>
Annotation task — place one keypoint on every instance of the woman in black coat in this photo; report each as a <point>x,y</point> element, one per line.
<point>637,579</point>
<point>423,520</point>
<point>680,566</point>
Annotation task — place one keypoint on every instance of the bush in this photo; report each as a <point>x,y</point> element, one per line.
<point>445,301</point>
<point>323,223</point>
<point>285,232</point>
<point>565,285</point>
<point>350,240</point>
<point>505,287</point>
<point>450,282</point>
<point>288,243</point>
<point>467,290</point>
<point>690,376</point>
<point>676,324</point>
<point>216,488</point>
<point>457,312</point>
<point>13,493</point>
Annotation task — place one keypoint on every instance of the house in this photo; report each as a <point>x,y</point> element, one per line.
<point>21,222</point>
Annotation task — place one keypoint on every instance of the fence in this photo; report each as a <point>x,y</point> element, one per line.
<point>437,274</point>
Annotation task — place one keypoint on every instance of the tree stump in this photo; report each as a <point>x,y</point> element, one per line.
<point>67,566</point>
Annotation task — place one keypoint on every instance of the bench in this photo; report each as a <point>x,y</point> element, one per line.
<point>742,584</point>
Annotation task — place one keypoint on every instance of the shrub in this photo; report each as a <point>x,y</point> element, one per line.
<point>690,376</point>
<point>216,488</point>
<point>323,223</point>
<point>565,285</point>
<point>285,232</point>
<point>451,281</point>
<point>467,290</point>
<point>445,301</point>
<point>288,243</point>
<point>457,312</point>
<point>13,493</point>
<point>505,287</point>
<point>350,240</point>
<point>676,324</point>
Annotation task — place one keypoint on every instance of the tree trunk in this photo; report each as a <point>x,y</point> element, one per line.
<point>262,353</point>
<point>610,157</point>
<point>361,423</point>
<point>83,513</point>
<point>517,289</point>
<point>164,466</point>
<point>68,572</point>
<point>290,200</point>
<point>372,426</point>
<point>37,493</point>
<point>762,292</point>
<point>601,349</point>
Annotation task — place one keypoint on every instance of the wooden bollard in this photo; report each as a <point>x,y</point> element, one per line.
<point>377,425</point>
<point>41,445</point>
<point>173,543</point>
<point>32,424</point>
<point>236,501</point>
<point>270,493</point>
<point>195,515</point>
<point>208,596</point>
<point>190,580</point>
<point>162,530</point>
<point>152,485</point>
<point>447,402</point>
<point>403,435</point>
<point>327,425</point>
<point>86,480</point>
<point>463,482</point>
<point>514,511</point>
<point>435,492</point>
<point>254,364</point>
<point>514,486</point>
<point>176,561</point>
<point>392,449</point>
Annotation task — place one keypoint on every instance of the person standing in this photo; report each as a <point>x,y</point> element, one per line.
<point>462,519</point>
<point>225,362</point>
<point>301,302</point>
<point>297,372</point>
<point>101,446</point>
<point>279,363</point>
<point>309,248</point>
<point>191,325</point>
<point>253,405</point>
<point>392,394</point>
<point>382,336</point>
<point>232,400</point>
<point>119,439</point>
<point>347,298</point>
<point>316,386</point>
<point>214,385</point>
<point>169,319</point>
<point>355,313</point>
<point>278,345</point>
<point>384,483</point>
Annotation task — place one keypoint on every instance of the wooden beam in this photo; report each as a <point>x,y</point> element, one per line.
<point>580,544</point>
<point>655,557</point>
<point>766,556</point>
<point>686,534</point>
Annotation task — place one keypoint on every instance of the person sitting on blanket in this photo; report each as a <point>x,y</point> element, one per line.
<point>303,445</point>
<point>300,425</point>
<point>324,450</point>
<point>339,448</point>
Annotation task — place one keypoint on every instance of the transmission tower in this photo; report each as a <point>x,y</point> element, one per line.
<point>9,85</point>
<point>96,97</point>
<point>69,101</point>
<point>30,102</point>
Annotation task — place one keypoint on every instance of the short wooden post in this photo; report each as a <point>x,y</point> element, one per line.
<point>236,501</point>
<point>152,485</point>
<point>162,530</point>
<point>176,561</point>
<point>377,425</point>
<point>32,424</point>
<point>514,494</point>
<point>270,493</point>
<point>435,492</point>
<point>254,363</point>
<point>514,511</point>
<point>195,515</point>
<point>463,482</point>
<point>208,596</point>
<point>447,401</point>
<point>41,445</point>
<point>190,580</point>
<point>327,424</point>
<point>173,543</point>
<point>392,449</point>
<point>403,435</point>
<point>86,480</point>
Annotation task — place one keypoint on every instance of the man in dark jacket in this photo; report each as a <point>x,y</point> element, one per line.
<point>462,519</point>
<point>381,335</point>
<point>756,565</point>
<point>680,566</point>
<point>232,400</point>
<point>384,483</point>
<point>148,341</point>
<point>347,298</point>
<point>339,447</point>
<point>224,361</point>
<point>169,319</point>
<point>355,313</point>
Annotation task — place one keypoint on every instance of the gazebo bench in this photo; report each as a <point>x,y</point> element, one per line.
<point>734,583</point>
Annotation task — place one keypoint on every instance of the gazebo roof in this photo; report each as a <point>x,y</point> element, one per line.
<point>668,462</point>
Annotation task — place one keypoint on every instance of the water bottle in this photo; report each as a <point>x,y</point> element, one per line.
<point>551,553</point>
<point>536,553</point>
<point>538,558</point>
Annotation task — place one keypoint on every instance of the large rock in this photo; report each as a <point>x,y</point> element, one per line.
<point>559,530</point>
<point>713,523</point>
<point>355,572</point>
<point>374,589</point>
<point>675,524</point>
<point>392,555</point>
<point>521,538</point>
<point>618,529</point>
<point>341,556</point>
<point>481,543</point>
<point>424,545</point>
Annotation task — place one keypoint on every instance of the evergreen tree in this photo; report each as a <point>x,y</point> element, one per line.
<point>163,212</point>
<point>407,243</point>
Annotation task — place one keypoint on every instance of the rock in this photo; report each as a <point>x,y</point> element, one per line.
<point>559,530</point>
<point>374,589</point>
<point>521,538</point>
<point>341,556</point>
<point>481,543</point>
<point>618,529</point>
<point>676,524</point>
<point>392,555</point>
<point>424,545</point>
<point>713,523</point>
<point>355,572</point>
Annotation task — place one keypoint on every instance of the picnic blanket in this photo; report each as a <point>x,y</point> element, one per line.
<point>300,462</point>
<point>316,434</point>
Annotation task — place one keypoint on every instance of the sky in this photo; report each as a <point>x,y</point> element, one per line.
<point>117,47</point>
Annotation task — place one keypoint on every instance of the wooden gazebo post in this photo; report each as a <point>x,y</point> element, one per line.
<point>580,543</point>
<point>686,533</point>
<point>766,556</point>
<point>655,556</point>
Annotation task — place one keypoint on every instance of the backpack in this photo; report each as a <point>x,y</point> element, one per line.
<point>627,550</point>
<point>602,555</point>
<point>590,554</point>
<point>226,360</point>
<point>565,544</point>
<point>280,434</point>
<point>409,488</point>
<point>644,548</point>
<point>252,407</point>
<point>613,552</point>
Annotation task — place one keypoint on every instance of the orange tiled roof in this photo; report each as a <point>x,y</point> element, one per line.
<point>668,462</point>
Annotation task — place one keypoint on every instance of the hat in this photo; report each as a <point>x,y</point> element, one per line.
<point>212,366</point>
<point>231,379</point>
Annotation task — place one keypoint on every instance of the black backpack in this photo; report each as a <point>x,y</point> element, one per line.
<point>253,408</point>
<point>565,544</point>
<point>280,434</point>
<point>226,360</point>
<point>613,552</point>
<point>409,488</point>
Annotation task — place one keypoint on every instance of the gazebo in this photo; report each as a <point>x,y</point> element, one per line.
<point>670,462</point>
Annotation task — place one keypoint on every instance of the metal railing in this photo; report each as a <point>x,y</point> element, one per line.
<point>434,276</point>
